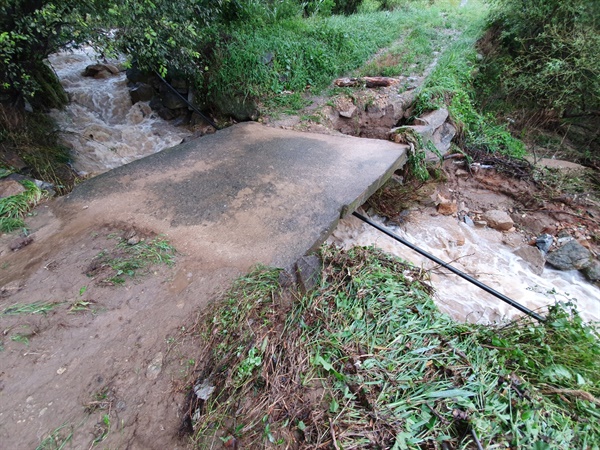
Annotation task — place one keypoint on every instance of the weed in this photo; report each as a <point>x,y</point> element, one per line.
<point>58,439</point>
<point>30,308</point>
<point>129,260</point>
<point>450,85</point>
<point>80,305</point>
<point>14,208</point>
<point>22,338</point>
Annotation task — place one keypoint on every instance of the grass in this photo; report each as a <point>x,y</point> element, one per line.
<point>128,260</point>
<point>450,85</point>
<point>14,208</point>
<point>30,308</point>
<point>368,360</point>
<point>58,439</point>
<point>306,54</point>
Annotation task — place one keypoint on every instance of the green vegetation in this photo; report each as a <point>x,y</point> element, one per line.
<point>367,359</point>
<point>130,259</point>
<point>29,308</point>
<point>58,439</point>
<point>541,68</point>
<point>450,85</point>
<point>14,208</point>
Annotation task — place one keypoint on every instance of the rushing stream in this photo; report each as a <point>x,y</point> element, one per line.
<point>480,253</point>
<point>102,127</point>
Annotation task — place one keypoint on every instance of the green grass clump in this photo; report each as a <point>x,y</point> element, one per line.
<point>128,260</point>
<point>368,360</point>
<point>14,208</point>
<point>450,85</point>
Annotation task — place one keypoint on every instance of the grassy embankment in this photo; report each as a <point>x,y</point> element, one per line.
<point>281,61</point>
<point>368,360</point>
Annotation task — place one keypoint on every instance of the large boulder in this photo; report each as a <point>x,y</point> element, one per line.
<point>141,92</point>
<point>571,256</point>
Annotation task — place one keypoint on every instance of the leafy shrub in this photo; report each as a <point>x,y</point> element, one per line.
<point>548,53</point>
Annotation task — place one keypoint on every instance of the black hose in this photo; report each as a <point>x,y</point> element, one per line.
<point>470,279</point>
<point>210,122</point>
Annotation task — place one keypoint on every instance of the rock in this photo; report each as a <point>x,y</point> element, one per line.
<point>10,187</point>
<point>170,99</point>
<point>155,367</point>
<point>544,242</point>
<point>592,272</point>
<point>349,112</point>
<point>498,220</point>
<point>141,92</point>
<point>442,137</point>
<point>204,390</point>
<point>468,221</point>
<point>308,271</point>
<point>571,256</point>
<point>180,85</point>
<point>447,208</point>
<point>461,173</point>
<point>100,70</point>
<point>533,257</point>
<point>480,223</point>
<point>434,119</point>
<point>239,107</point>
<point>20,242</point>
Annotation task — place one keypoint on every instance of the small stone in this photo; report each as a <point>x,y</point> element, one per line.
<point>20,242</point>
<point>348,111</point>
<point>498,220</point>
<point>460,173</point>
<point>204,390</point>
<point>571,256</point>
<point>61,370</point>
<point>155,367</point>
<point>480,223</point>
<point>133,240</point>
<point>447,208</point>
<point>544,242</point>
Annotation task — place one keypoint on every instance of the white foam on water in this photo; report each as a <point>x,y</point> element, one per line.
<point>478,252</point>
<point>100,124</point>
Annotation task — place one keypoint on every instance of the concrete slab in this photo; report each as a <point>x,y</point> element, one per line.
<point>247,194</point>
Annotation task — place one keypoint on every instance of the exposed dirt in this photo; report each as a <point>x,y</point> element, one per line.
<point>106,361</point>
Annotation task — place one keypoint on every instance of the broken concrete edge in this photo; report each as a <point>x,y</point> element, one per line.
<point>346,210</point>
<point>308,272</point>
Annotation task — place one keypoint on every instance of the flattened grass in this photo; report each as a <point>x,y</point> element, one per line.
<point>368,360</point>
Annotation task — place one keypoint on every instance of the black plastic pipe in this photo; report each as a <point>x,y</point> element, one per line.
<point>454,270</point>
<point>176,92</point>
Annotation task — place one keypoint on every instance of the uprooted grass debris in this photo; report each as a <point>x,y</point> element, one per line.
<point>367,360</point>
<point>130,257</point>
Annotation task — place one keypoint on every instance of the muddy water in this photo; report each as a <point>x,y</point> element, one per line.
<point>100,125</point>
<point>480,253</point>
